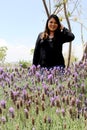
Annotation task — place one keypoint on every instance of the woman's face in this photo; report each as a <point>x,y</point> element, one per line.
<point>52,25</point>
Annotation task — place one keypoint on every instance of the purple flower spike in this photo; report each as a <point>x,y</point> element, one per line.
<point>26,113</point>
<point>33,69</point>
<point>3,119</point>
<point>3,103</point>
<point>11,110</point>
<point>49,120</point>
<point>25,110</point>
<point>1,70</point>
<point>52,99</point>
<point>50,77</point>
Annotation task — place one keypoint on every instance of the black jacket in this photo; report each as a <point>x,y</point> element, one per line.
<point>48,52</point>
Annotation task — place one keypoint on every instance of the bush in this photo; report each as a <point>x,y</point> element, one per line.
<point>24,64</point>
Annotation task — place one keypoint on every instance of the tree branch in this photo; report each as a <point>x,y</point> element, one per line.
<point>70,45</point>
<point>46,9</point>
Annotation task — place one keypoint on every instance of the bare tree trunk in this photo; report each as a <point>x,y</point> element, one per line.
<point>46,9</point>
<point>85,53</point>
<point>82,34</point>
<point>50,7</point>
<point>70,45</point>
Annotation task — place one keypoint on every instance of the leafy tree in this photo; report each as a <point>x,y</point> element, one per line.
<point>24,64</point>
<point>32,51</point>
<point>3,54</point>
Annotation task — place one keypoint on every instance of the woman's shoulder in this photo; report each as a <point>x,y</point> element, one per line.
<point>40,35</point>
<point>43,35</point>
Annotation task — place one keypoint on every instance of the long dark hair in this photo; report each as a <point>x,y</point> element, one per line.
<point>46,31</point>
<point>57,21</point>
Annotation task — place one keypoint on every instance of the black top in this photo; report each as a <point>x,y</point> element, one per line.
<point>48,52</point>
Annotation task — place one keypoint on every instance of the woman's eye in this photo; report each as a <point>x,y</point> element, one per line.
<point>53,22</point>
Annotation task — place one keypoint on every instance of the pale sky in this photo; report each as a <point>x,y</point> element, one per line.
<point>20,23</point>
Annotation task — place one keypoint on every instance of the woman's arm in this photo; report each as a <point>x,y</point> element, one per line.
<point>67,36</point>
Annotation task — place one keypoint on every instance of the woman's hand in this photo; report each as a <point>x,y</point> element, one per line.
<point>62,27</point>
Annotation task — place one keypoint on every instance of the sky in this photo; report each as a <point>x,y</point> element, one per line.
<point>20,23</point>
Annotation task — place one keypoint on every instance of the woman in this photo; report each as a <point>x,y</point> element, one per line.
<point>48,49</point>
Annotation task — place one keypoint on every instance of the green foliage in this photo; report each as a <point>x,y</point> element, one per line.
<point>32,51</point>
<point>69,14</point>
<point>3,54</point>
<point>72,60</point>
<point>25,64</point>
<point>58,5</point>
<point>32,100</point>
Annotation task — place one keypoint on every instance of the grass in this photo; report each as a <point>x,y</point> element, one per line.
<point>42,103</point>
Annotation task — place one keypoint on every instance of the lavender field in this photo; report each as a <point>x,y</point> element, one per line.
<point>32,100</point>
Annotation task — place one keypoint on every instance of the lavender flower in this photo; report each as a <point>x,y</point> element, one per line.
<point>50,78</point>
<point>38,76</point>
<point>52,101</point>
<point>45,87</point>
<point>1,70</point>
<point>24,92</point>
<point>33,69</point>
<point>26,113</point>
<point>3,103</point>
<point>11,111</point>
<point>3,119</point>
<point>49,120</point>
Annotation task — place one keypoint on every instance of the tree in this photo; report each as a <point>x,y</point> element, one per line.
<point>69,10</point>
<point>3,54</point>
<point>85,53</point>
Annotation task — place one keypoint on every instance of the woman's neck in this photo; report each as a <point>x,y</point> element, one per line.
<point>51,34</point>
